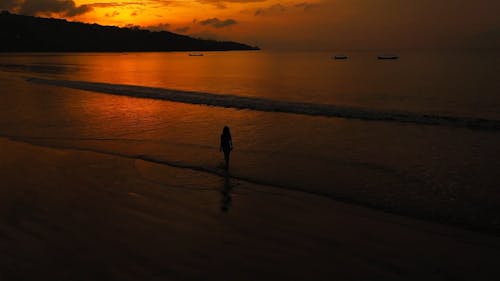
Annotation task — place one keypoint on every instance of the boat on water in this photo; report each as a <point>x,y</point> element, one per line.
<point>340,57</point>
<point>388,57</point>
<point>196,55</point>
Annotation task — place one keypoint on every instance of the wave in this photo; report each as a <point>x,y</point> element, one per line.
<point>269,105</point>
<point>214,170</point>
<point>332,195</point>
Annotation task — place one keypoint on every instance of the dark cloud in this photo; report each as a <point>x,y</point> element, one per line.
<point>279,8</point>
<point>182,29</point>
<point>229,1</point>
<point>164,3</point>
<point>105,5</point>
<point>9,4</point>
<point>113,14</point>
<point>271,10</point>
<point>66,7</point>
<point>63,7</point>
<point>217,4</point>
<point>77,10</point>
<point>217,23</point>
<point>114,4</point>
<point>132,26</point>
<point>222,4</point>
<point>45,7</point>
<point>159,27</point>
<point>306,5</point>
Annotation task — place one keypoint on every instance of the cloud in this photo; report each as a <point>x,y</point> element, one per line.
<point>229,1</point>
<point>105,5</point>
<point>114,4</point>
<point>271,10</point>
<point>217,23</point>
<point>163,3</point>
<point>67,8</point>
<point>182,29</point>
<point>159,27</point>
<point>306,5</point>
<point>222,4</point>
<point>217,4</point>
<point>77,11</point>
<point>9,4</point>
<point>113,14</point>
<point>132,26</point>
<point>45,7</point>
<point>280,8</point>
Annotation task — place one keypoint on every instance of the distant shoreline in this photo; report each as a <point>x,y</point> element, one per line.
<point>117,52</point>
<point>21,34</point>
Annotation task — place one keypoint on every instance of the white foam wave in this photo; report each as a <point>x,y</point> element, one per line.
<point>268,105</point>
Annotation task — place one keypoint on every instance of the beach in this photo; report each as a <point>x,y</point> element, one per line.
<point>82,215</point>
<point>103,183</point>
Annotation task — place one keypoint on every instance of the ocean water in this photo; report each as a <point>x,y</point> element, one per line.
<point>445,169</point>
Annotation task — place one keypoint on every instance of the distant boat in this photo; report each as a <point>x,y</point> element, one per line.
<point>196,55</point>
<point>388,57</point>
<point>340,57</point>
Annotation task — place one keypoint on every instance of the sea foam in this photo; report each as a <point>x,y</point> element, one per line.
<point>269,105</point>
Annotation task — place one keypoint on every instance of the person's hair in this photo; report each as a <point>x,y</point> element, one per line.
<point>226,131</point>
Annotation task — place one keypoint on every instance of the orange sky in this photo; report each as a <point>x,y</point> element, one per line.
<point>295,24</point>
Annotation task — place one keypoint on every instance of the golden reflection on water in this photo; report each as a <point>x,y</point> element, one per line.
<point>118,116</point>
<point>241,73</point>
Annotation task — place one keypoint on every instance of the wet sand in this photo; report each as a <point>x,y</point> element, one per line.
<point>77,215</point>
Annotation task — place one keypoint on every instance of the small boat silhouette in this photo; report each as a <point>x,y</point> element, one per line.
<point>340,57</point>
<point>196,55</point>
<point>388,57</point>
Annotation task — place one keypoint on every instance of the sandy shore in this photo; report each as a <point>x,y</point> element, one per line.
<point>76,215</point>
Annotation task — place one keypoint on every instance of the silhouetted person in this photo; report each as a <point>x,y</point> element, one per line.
<point>226,144</point>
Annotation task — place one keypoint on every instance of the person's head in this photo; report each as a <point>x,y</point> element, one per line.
<point>225,131</point>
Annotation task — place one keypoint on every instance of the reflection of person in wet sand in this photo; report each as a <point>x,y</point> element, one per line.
<point>226,144</point>
<point>226,195</point>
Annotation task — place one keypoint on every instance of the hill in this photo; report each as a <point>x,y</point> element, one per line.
<point>20,33</point>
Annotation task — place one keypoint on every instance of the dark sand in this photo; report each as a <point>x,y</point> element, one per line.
<point>76,215</point>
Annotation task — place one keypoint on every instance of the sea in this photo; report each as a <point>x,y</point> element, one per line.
<point>417,136</point>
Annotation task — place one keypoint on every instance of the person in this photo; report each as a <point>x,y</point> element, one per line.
<point>226,144</point>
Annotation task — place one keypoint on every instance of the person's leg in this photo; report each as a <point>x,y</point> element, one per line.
<point>226,157</point>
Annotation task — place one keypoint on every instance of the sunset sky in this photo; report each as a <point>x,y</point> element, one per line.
<point>295,24</point>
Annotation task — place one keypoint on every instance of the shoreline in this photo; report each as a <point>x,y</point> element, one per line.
<point>96,215</point>
<point>123,52</point>
<point>458,222</point>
